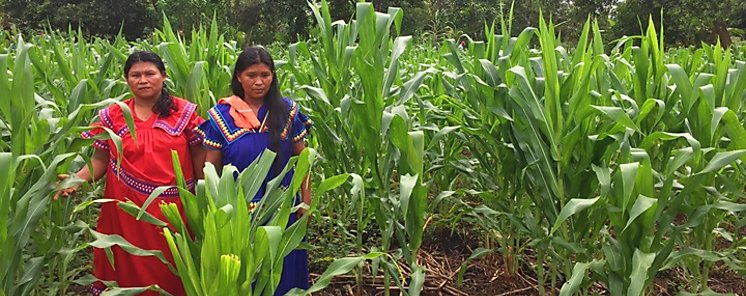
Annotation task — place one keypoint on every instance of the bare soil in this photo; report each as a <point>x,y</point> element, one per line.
<point>443,253</point>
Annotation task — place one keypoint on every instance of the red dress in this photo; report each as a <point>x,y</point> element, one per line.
<point>145,165</point>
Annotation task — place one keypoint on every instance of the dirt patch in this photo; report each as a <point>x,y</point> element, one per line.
<point>443,253</point>
<point>724,280</point>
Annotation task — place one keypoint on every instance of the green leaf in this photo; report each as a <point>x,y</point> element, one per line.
<point>140,214</point>
<point>721,159</point>
<point>733,128</point>
<point>642,204</point>
<point>153,195</point>
<point>641,262</point>
<point>105,241</point>
<point>579,272</point>
<point>479,253</point>
<point>257,173</point>
<point>331,183</point>
<point>132,291</point>
<point>619,116</point>
<point>406,186</point>
<point>572,207</point>
<point>706,292</point>
<point>417,281</point>
<point>628,172</point>
<point>302,168</point>
<point>338,267</point>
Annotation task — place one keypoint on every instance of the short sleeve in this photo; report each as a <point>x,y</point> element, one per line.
<point>210,135</point>
<point>193,136</point>
<point>301,127</point>
<point>98,128</point>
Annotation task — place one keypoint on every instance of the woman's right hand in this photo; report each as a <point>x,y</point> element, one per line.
<point>69,184</point>
<point>67,191</point>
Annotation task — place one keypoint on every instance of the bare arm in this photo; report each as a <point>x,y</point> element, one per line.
<point>305,188</point>
<point>198,160</point>
<point>215,157</point>
<point>99,160</point>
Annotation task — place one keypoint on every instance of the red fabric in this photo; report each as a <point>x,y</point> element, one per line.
<point>146,162</point>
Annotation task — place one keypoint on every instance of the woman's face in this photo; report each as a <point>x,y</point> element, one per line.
<point>145,80</point>
<point>255,81</point>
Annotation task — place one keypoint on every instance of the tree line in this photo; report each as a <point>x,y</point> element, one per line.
<point>686,22</point>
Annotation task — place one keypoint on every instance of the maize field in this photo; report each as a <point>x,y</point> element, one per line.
<point>594,166</point>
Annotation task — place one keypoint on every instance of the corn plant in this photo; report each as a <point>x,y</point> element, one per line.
<point>229,252</point>
<point>198,67</point>
<point>227,248</point>
<point>37,134</point>
<point>362,107</point>
<point>556,118</point>
<point>597,163</point>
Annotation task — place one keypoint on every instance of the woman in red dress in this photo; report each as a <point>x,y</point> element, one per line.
<point>162,123</point>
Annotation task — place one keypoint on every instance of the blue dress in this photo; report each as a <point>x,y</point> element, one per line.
<point>241,147</point>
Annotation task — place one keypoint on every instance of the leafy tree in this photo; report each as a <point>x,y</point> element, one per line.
<point>416,12</point>
<point>470,16</point>
<point>187,14</point>
<point>97,17</point>
<point>272,21</point>
<point>685,21</point>
<point>600,10</point>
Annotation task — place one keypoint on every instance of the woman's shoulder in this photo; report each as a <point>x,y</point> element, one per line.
<point>296,112</point>
<point>114,113</point>
<point>289,102</point>
<point>117,107</point>
<point>175,123</point>
<point>221,108</point>
<point>182,103</point>
<point>291,105</point>
<point>184,107</point>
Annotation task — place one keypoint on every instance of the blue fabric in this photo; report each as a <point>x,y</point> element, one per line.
<point>241,147</point>
<point>295,273</point>
<point>249,144</point>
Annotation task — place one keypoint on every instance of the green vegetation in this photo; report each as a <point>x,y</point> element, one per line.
<point>688,22</point>
<point>596,166</point>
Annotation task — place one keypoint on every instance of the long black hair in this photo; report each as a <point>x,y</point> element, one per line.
<point>165,105</point>
<point>276,107</point>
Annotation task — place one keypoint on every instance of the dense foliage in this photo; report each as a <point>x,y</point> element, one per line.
<point>594,167</point>
<point>263,22</point>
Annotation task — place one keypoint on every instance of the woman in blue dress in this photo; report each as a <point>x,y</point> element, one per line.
<point>255,118</point>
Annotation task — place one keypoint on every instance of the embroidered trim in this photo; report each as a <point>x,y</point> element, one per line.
<point>180,124</point>
<point>213,144</point>
<point>200,132</point>
<point>291,116</point>
<point>142,186</point>
<point>123,130</point>
<point>301,136</point>
<point>223,126</point>
<point>252,207</point>
<point>96,291</point>
<point>205,140</point>
<point>87,135</point>
<point>194,139</point>
<point>231,136</point>
<point>100,144</point>
<point>105,117</point>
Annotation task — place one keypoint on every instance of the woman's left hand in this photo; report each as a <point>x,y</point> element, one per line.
<point>301,212</point>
